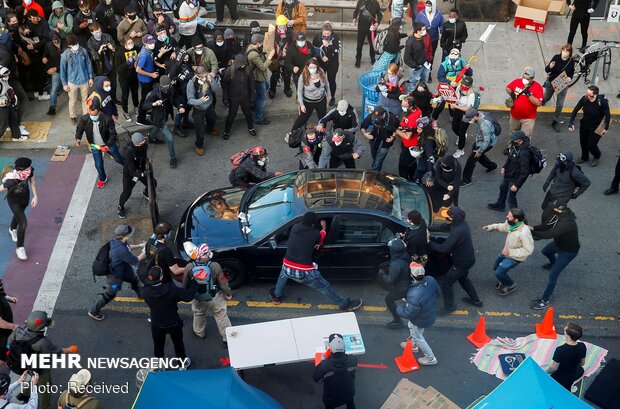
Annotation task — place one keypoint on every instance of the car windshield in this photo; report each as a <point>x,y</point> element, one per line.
<point>271,205</point>
<point>408,196</point>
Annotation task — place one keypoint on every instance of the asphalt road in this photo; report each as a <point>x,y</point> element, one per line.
<point>587,290</point>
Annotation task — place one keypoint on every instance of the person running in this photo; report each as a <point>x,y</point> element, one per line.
<point>566,181</point>
<point>421,311</point>
<point>486,138</point>
<point>562,66</point>
<point>594,123</point>
<point>134,169</point>
<point>122,264</point>
<point>518,247</point>
<point>18,182</point>
<point>569,359</point>
<point>298,265</point>
<point>252,169</point>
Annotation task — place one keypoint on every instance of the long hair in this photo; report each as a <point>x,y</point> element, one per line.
<point>306,73</point>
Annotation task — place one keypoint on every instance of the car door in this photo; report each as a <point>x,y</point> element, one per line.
<point>267,257</point>
<point>356,245</point>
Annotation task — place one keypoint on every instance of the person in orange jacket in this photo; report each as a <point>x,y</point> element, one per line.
<point>296,13</point>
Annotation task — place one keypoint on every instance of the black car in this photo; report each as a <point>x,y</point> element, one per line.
<point>248,229</point>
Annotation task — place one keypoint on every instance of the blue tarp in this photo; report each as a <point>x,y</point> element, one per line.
<point>529,387</point>
<point>209,388</point>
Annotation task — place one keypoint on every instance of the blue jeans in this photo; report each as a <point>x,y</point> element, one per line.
<point>261,100</point>
<point>506,195</point>
<point>167,135</point>
<point>315,280</point>
<point>417,334</point>
<point>54,88</point>
<point>378,152</point>
<point>98,158</point>
<point>558,259</point>
<point>419,75</point>
<point>502,266</point>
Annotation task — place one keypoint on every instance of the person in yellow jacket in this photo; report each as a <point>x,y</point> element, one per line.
<point>296,13</point>
<point>518,247</point>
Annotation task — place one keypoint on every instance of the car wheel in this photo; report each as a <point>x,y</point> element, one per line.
<point>385,267</point>
<point>235,271</point>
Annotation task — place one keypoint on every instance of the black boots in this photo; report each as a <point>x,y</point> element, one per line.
<point>556,126</point>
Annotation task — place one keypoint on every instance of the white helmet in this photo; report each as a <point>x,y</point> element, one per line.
<point>415,151</point>
<point>4,72</point>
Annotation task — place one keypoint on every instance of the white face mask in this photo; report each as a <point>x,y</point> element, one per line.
<point>150,46</point>
<point>162,38</point>
<point>300,43</point>
<point>219,43</point>
<point>404,109</point>
<point>129,46</point>
<point>282,28</point>
<point>261,162</point>
<point>525,81</point>
<point>74,48</point>
<point>312,70</point>
<point>565,55</point>
<point>108,2</point>
<point>107,89</point>
<point>429,9</point>
<point>452,20</point>
<point>337,143</point>
<point>201,82</point>
<point>342,113</point>
<point>198,51</point>
<point>27,2</point>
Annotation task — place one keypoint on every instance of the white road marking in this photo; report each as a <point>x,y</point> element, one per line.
<point>67,237</point>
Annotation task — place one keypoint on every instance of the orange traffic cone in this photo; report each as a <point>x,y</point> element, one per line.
<point>546,329</point>
<point>479,337</point>
<point>319,356</point>
<point>406,362</point>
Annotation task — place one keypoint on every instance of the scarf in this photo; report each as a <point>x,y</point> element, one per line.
<point>515,227</point>
<point>18,175</point>
<point>304,50</point>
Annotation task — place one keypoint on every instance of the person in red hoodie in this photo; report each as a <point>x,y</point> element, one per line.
<point>32,5</point>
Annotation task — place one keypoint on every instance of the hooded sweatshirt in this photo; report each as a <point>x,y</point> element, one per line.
<point>565,177</point>
<point>106,103</point>
<point>337,374</point>
<point>517,166</point>
<point>163,300</point>
<point>105,17</point>
<point>421,305</point>
<point>397,275</point>
<point>562,228</point>
<point>433,21</point>
<point>42,346</point>
<point>459,243</point>
<point>238,82</point>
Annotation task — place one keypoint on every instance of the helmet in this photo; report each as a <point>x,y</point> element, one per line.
<point>203,251</point>
<point>259,151</point>
<point>4,72</point>
<point>38,321</point>
<point>5,382</point>
<point>281,20</point>
<point>415,151</point>
<point>190,249</point>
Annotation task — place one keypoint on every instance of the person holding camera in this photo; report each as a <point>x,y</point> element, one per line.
<point>409,135</point>
<point>7,389</point>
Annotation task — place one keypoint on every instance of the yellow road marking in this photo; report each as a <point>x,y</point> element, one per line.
<point>570,317</point>
<point>263,304</point>
<point>140,301</point>
<point>603,318</point>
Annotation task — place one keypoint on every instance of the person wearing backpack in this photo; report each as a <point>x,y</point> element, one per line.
<point>367,15</point>
<point>390,47</point>
<point>75,397</point>
<point>515,170</point>
<point>212,290</point>
<point>486,138</point>
<point>7,389</point>
<point>6,321</point>
<point>60,20</point>
<point>337,374</point>
<point>121,269</point>
<point>157,253</point>
<point>562,181</point>
<point>239,90</point>
<point>30,338</point>
<point>594,123</point>
<point>296,13</point>
<point>251,169</point>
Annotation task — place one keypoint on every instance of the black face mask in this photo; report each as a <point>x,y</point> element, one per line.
<point>512,222</point>
<point>140,148</point>
<point>562,165</point>
<point>165,90</point>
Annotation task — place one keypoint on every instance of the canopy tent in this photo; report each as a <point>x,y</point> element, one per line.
<point>529,387</point>
<point>209,388</point>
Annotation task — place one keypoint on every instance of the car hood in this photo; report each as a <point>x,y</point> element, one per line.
<point>212,218</point>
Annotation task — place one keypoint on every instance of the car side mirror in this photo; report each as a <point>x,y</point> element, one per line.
<point>273,244</point>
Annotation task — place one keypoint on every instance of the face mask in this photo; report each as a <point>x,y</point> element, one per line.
<point>337,143</point>
<point>107,89</point>
<point>94,118</point>
<point>565,55</point>
<point>162,38</point>
<point>511,222</point>
<point>282,29</point>
<point>129,46</point>
<point>74,48</point>
<point>86,13</point>
<point>132,18</point>
<point>255,30</point>
<point>342,113</point>
<point>219,43</point>
<point>300,44</point>
<point>201,82</point>
<point>165,89</point>
<point>314,141</point>
<point>108,2</point>
<point>27,2</point>
<point>525,81</point>
<point>261,162</point>
<point>312,70</point>
<point>405,109</point>
<point>452,20</point>
<point>198,51</point>
<point>326,38</point>
<point>429,9</point>
<point>150,46</point>
<point>423,33</point>
<point>464,88</point>
<point>453,60</point>
<point>97,36</point>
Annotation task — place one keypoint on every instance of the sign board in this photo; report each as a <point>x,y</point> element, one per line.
<point>559,84</point>
<point>614,14</point>
<point>446,92</point>
<point>270,38</point>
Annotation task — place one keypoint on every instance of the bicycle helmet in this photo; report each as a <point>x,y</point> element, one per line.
<point>38,321</point>
<point>259,151</point>
<point>5,382</point>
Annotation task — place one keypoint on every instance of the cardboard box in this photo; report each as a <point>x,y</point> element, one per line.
<point>532,14</point>
<point>61,154</point>
<point>408,395</point>
<point>269,40</point>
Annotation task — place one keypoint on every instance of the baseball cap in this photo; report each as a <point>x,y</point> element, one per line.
<point>153,276</point>
<point>148,39</point>
<point>78,381</point>
<point>529,72</point>
<point>518,135</point>
<point>336,343</point>
<point>22,163</point>
<point>300,36</point>
<point>123,230</point>
<point>416,269</point>
<point>83,3</point>
<point>467,81</point>
<point>470,114</point>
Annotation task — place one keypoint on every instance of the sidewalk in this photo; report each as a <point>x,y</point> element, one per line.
<point>500,61</point>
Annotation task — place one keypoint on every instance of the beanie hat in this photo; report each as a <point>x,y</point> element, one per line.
<point>518,135</point>
<point>164,81</point>
<point>22,163</point>
<point>229,32</point>
<point>254,24</point>
<point>257,38</point>
<point>343,105</point>
<point>137,138</point>
<point>416,269</point>
<point>336,343</point>
<point>309,219</point>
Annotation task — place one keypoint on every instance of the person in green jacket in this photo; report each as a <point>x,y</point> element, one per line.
<point>260,65</point>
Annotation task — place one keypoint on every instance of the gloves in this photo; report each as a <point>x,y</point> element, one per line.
<point>73,349</point>
<point>513,95</point>
<point>590,10</point>
<point>545,186</point>
<point>436,100</point>
<point>431,160</point>
<point>527,93</point>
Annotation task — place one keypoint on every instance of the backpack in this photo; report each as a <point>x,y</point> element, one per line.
<point>496,125</point>
<point>79,405</point>
<point>101,265</point>
<point>239,157</point>
<point>203,276</point>
<point>441,142</point>
<point>149,261</point>
<point>379,42</point>
<point>477,97</point>
<point>294,138</point>
<point>18,348</point>
<point>538,160</point>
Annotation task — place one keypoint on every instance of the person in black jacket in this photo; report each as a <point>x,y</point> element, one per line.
<point>101,136</point>
<point>220,49</point>
<point>283,39</point>
<point>337,374</point>
<point>163,299</point>
<point>459,245</point>
<point>561,65</point>
<point>161,102</point>
<point>391,46</point>
<point>104,13</point>
<point>581,16</point>
<point>252,169</point>
<point>81,22</point>
<point>344,117</point>
<point>615,183</point>
<point>124,64</point>
<point>595,110</point>
<point>515,171</point>
<point>454,34</point>
<point>134,170</point>
<point>51,61</point>
<point>297,54</point>
<point>340,147</point>
<point>310,146</point>
<point>381,135</point>
<point>367,15</point>
<point>396,278</point>
<point>414,57</point>
<point>444,188</point>
<point>180,72</point>
<point>415,237</point>
<point>564,178</point>
<point>327,50</point>
<point>562,228</point>
<point>239,90</point>
<point>298,266</point>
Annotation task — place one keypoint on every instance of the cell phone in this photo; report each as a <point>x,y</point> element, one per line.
<point>30,372</point>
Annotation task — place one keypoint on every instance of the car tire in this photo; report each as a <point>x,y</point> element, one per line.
<point>235,271</point>
<point>385,267</point>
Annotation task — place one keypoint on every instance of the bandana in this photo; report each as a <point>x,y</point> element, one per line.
<point>18,174</point>
<point>513,228</point>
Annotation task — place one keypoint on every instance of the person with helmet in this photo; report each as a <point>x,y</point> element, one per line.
<point>6,321</point>
<point>342,147</point>
<point>30,338</point>
<point>163,299</point>
<point>213,289</point>
<point>163,256</point>
<point>252,169</point>
<point>134,169</point>
<point>421,311</point>
<point>76,395</point>
<point>310,147</point>
<point>7,389</point>
<point>282,40</point>
<point>296,14</point>
<point>409,134</point>
<point>121,269</point>
<point>8,106</point>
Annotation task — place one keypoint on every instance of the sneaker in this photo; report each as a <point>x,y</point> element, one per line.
<point>498,285</point>
<point>496,206</point>
<point>143,122</point>
<point>13,234</point>
<point>332,102</point>
<point>20,138</point>
<point>468,300</point>
<point>122,213</point>
<point>465,183</point>
<point>445,311</point>
<point>274,299</point>
<point>126,117</point>
<point>288,93</point>
<point>394,324</point>
<point>21,253</point>
<point>179,132</point>
<point>581,160</point>
<point>610,191</point>
<point>547,266</point>
<point>96,317</point>
<point>458,153</point>
<point>507,290</point>
<point>272,94</point>
<point>540,304</point>
<point>414,346</point>
<point>252,132</point>
<point>101,183</point>
<point>353,305</point>
<point>173,163</point>
<point>594,162</point>
<point>23,130</point>
<point>73,121</point>
<point>51,111</point>
<point>491,169</point>
<point>226,136</point>
<point>43,96</point>
<point>200,151</point>
<point>427,362</point>
<point>357,64</point>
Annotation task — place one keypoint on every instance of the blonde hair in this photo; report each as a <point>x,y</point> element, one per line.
<point>393,68</point>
